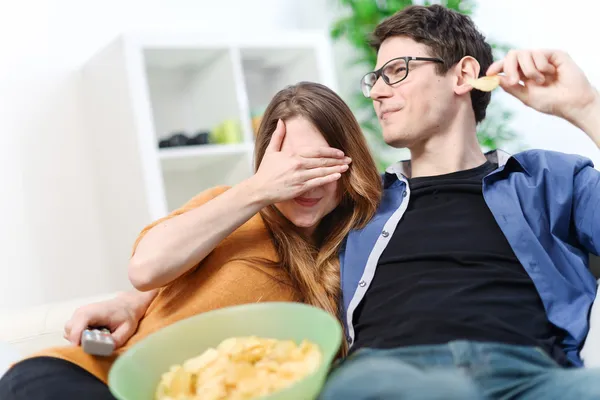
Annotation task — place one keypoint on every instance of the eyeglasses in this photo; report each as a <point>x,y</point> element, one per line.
<point>392,72</point>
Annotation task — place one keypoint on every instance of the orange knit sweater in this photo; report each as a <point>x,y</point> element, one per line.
<point>220,280</point>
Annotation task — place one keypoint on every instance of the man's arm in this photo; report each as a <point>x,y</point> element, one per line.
<point>588,120</point>
<point>553,84</point>
<point>586,206</point>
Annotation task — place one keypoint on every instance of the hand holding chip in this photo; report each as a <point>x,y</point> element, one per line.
<point>548,81</point>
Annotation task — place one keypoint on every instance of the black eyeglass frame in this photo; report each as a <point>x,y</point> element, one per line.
<point>379,72</point>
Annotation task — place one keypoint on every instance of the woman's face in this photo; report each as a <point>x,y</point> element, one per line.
<point>308,209</point>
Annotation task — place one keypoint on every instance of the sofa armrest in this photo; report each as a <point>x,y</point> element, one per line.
<point>33,329</point>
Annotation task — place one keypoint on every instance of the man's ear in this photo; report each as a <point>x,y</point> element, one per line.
<point>467,68</point>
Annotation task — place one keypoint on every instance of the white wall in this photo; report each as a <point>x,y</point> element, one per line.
<point>49,231</point>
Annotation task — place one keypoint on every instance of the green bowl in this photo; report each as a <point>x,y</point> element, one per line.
<point>136,373</point>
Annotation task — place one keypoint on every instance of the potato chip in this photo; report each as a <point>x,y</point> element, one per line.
<point>486,83</point>
<point>207,358</point>
<point>240,368</point>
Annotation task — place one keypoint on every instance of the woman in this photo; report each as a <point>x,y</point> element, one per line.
<point>273,237</point>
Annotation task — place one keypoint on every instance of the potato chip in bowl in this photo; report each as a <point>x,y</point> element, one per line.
<point>240,368</point>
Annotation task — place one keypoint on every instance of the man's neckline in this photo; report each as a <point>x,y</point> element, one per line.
<point>403,170</point>
<point>465,173</point>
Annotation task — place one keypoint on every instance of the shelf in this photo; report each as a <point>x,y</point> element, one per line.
<point>268,70</point>
<point>171,153</point>
<point>182,59</point>
<point>195,157</point>
<point>190,90</point>
<point>267,58</point>
<point>186,174</point>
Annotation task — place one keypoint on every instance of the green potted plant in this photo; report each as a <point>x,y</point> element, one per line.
<point>360,19</point>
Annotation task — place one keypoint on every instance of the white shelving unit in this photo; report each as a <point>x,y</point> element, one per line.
<point>143,88</point>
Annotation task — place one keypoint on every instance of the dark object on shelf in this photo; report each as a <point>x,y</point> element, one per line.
<point>179,139</point>
<point>199,138</point>
<point>175,140</point>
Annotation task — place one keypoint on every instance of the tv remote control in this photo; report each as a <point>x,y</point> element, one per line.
<point>97,342</point>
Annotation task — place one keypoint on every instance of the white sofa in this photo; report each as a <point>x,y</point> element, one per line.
<point>32,329</point>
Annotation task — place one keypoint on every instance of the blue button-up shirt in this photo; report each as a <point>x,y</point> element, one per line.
<point>547,204</point>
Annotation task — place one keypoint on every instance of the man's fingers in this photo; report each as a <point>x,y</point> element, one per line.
<point>511,67</point>
<point>542,63</point>
<point>495,68</point>
<point>277,137</point>
<point>518,90</point>
<point>556,58</point>
<point>528,67</point>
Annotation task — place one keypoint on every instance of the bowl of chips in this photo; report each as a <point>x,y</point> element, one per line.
<point>266,351</point>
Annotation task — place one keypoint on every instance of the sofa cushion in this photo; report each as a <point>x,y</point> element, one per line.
<point>8,355</point>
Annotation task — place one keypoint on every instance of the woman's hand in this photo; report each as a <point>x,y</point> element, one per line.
<point>118,315</point>
<point>285,175</point>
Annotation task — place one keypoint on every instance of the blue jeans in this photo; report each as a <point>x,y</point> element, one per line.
<point>459,370</point>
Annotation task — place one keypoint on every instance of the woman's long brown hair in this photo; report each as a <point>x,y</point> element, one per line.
<point>313,266</point>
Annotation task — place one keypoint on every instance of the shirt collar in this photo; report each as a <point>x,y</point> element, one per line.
<point>402,169</point>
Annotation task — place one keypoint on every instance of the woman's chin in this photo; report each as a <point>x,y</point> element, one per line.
<point>305,222</point>
<point>304,219</point>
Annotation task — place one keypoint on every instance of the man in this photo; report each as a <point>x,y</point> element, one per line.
<point>473,280</point>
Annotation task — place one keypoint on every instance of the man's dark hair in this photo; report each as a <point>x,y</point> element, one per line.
<point>449,35</point>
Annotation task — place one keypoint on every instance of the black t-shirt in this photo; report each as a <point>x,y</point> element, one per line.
<point>448,273</point>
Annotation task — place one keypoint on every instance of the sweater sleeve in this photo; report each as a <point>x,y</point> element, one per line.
<point>196,201</point>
